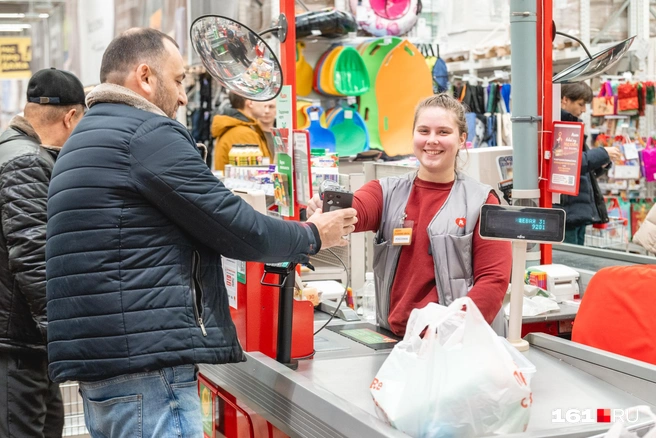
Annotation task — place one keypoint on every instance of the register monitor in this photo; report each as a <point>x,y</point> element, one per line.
<point>488,165</point>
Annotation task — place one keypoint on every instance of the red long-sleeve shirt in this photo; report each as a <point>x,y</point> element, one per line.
<point>414,285</point>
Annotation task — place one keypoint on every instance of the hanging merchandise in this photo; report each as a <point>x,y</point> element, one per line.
<point>340,71</point>
<point>329,23</point>
<point>403,80</point>
<point>429,55</point>
<point>350,131</point>
<point>350,75</point>
<point>649,161</point>
<point>320,137</point>
<point>317,71</point>
<point>440,75</point>
<point>604,104</point>
<point>627,98</point>
<point>326,84</point>
<point>373,55</point>
<point>303,72</point>
<point>386,17</point>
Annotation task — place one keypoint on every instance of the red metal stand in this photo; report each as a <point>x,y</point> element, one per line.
<point>545,106</point>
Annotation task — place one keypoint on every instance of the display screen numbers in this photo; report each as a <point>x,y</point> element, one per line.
<point>533,223</point>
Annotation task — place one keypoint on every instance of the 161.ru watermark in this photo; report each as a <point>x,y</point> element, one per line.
<point>594,415</point>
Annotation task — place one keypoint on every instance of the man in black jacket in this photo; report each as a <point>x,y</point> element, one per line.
<point>588,206</point>
<point>30,403</point>
<point>137,225</point>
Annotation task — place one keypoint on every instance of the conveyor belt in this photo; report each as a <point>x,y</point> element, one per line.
<point>593,259</point>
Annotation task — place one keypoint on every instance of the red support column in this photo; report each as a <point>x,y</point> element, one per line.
<point>288,50</point>
<point>545,105</point>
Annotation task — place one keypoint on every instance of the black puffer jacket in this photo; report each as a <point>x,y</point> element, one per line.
<point>137,225</point>
<point>25,169</point>
<point>588,207</point>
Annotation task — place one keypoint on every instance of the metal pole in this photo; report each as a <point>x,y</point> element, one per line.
<point>523,21</point>
<point>285,314</point>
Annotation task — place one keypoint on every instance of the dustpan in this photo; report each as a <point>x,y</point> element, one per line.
<point>402,82</point>
<point>373,56</point>
<point>350,74</point>
<point>303,72</point>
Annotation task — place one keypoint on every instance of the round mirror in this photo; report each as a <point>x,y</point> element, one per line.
<point>237,57</point>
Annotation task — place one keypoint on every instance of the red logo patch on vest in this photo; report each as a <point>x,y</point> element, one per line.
<point>461,222</point>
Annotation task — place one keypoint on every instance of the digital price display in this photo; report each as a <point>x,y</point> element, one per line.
<point>528,224</point>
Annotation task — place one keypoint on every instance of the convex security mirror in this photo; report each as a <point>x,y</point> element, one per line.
<point>595,64</point>
<point>238,57</point>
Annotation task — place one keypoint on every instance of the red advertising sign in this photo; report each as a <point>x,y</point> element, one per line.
<point>566,158</point>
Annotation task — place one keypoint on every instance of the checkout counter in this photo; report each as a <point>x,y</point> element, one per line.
<point>329,395</point>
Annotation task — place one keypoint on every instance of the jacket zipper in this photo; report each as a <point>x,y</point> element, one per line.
<point>197,292</point>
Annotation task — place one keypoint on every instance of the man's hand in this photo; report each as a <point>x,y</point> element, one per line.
<point>614,153</point>
<point>315,204</point>
<point>334,225</point>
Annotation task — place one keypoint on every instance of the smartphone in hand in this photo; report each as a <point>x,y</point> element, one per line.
<point>335,200</point>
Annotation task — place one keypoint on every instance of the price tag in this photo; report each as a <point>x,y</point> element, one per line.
<point>387,41</point>
<point>348,114</point>
<point>630,151</point>
<point>314,116</point>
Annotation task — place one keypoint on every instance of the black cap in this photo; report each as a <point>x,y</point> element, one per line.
<point>55,87</point>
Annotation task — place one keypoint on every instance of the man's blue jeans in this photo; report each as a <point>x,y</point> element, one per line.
<point>162,403</point>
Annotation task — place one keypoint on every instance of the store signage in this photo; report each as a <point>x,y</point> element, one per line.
<point>15,58</point>
<point>566,153</point>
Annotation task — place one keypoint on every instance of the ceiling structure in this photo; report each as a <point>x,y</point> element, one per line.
<point>17,15</point>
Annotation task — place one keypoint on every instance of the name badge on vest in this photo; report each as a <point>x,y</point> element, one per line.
<point>403,236</point>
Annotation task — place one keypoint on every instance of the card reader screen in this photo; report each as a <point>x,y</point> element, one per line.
<point>522,223</point>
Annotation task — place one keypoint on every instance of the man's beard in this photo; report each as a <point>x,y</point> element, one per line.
<point>161,101</point>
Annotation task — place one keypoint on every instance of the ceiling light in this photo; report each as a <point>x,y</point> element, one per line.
<point>12,15</point>
<point>44,15</point>
<point>14,27</point>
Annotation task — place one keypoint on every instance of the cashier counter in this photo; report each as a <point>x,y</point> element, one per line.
<point>329,395</point>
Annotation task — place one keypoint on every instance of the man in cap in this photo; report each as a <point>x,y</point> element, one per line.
<point>30,403</point>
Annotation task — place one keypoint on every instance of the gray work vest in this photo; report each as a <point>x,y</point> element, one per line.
<point>450,243</point>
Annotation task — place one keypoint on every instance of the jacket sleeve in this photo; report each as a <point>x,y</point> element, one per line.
<point>594,159</point>
<point>171,175</point>
<point>24,192</point>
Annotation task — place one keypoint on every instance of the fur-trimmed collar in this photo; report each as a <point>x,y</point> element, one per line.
<point>24,126</point>
<point>112,93</point>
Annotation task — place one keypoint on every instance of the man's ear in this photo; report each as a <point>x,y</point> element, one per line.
<point>145,79</point>
<point>69,117</point>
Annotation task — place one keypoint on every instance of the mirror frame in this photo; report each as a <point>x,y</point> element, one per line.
<point>221,82</point>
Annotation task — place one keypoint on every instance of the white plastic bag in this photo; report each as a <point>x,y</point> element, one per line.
<point>456,381</point>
